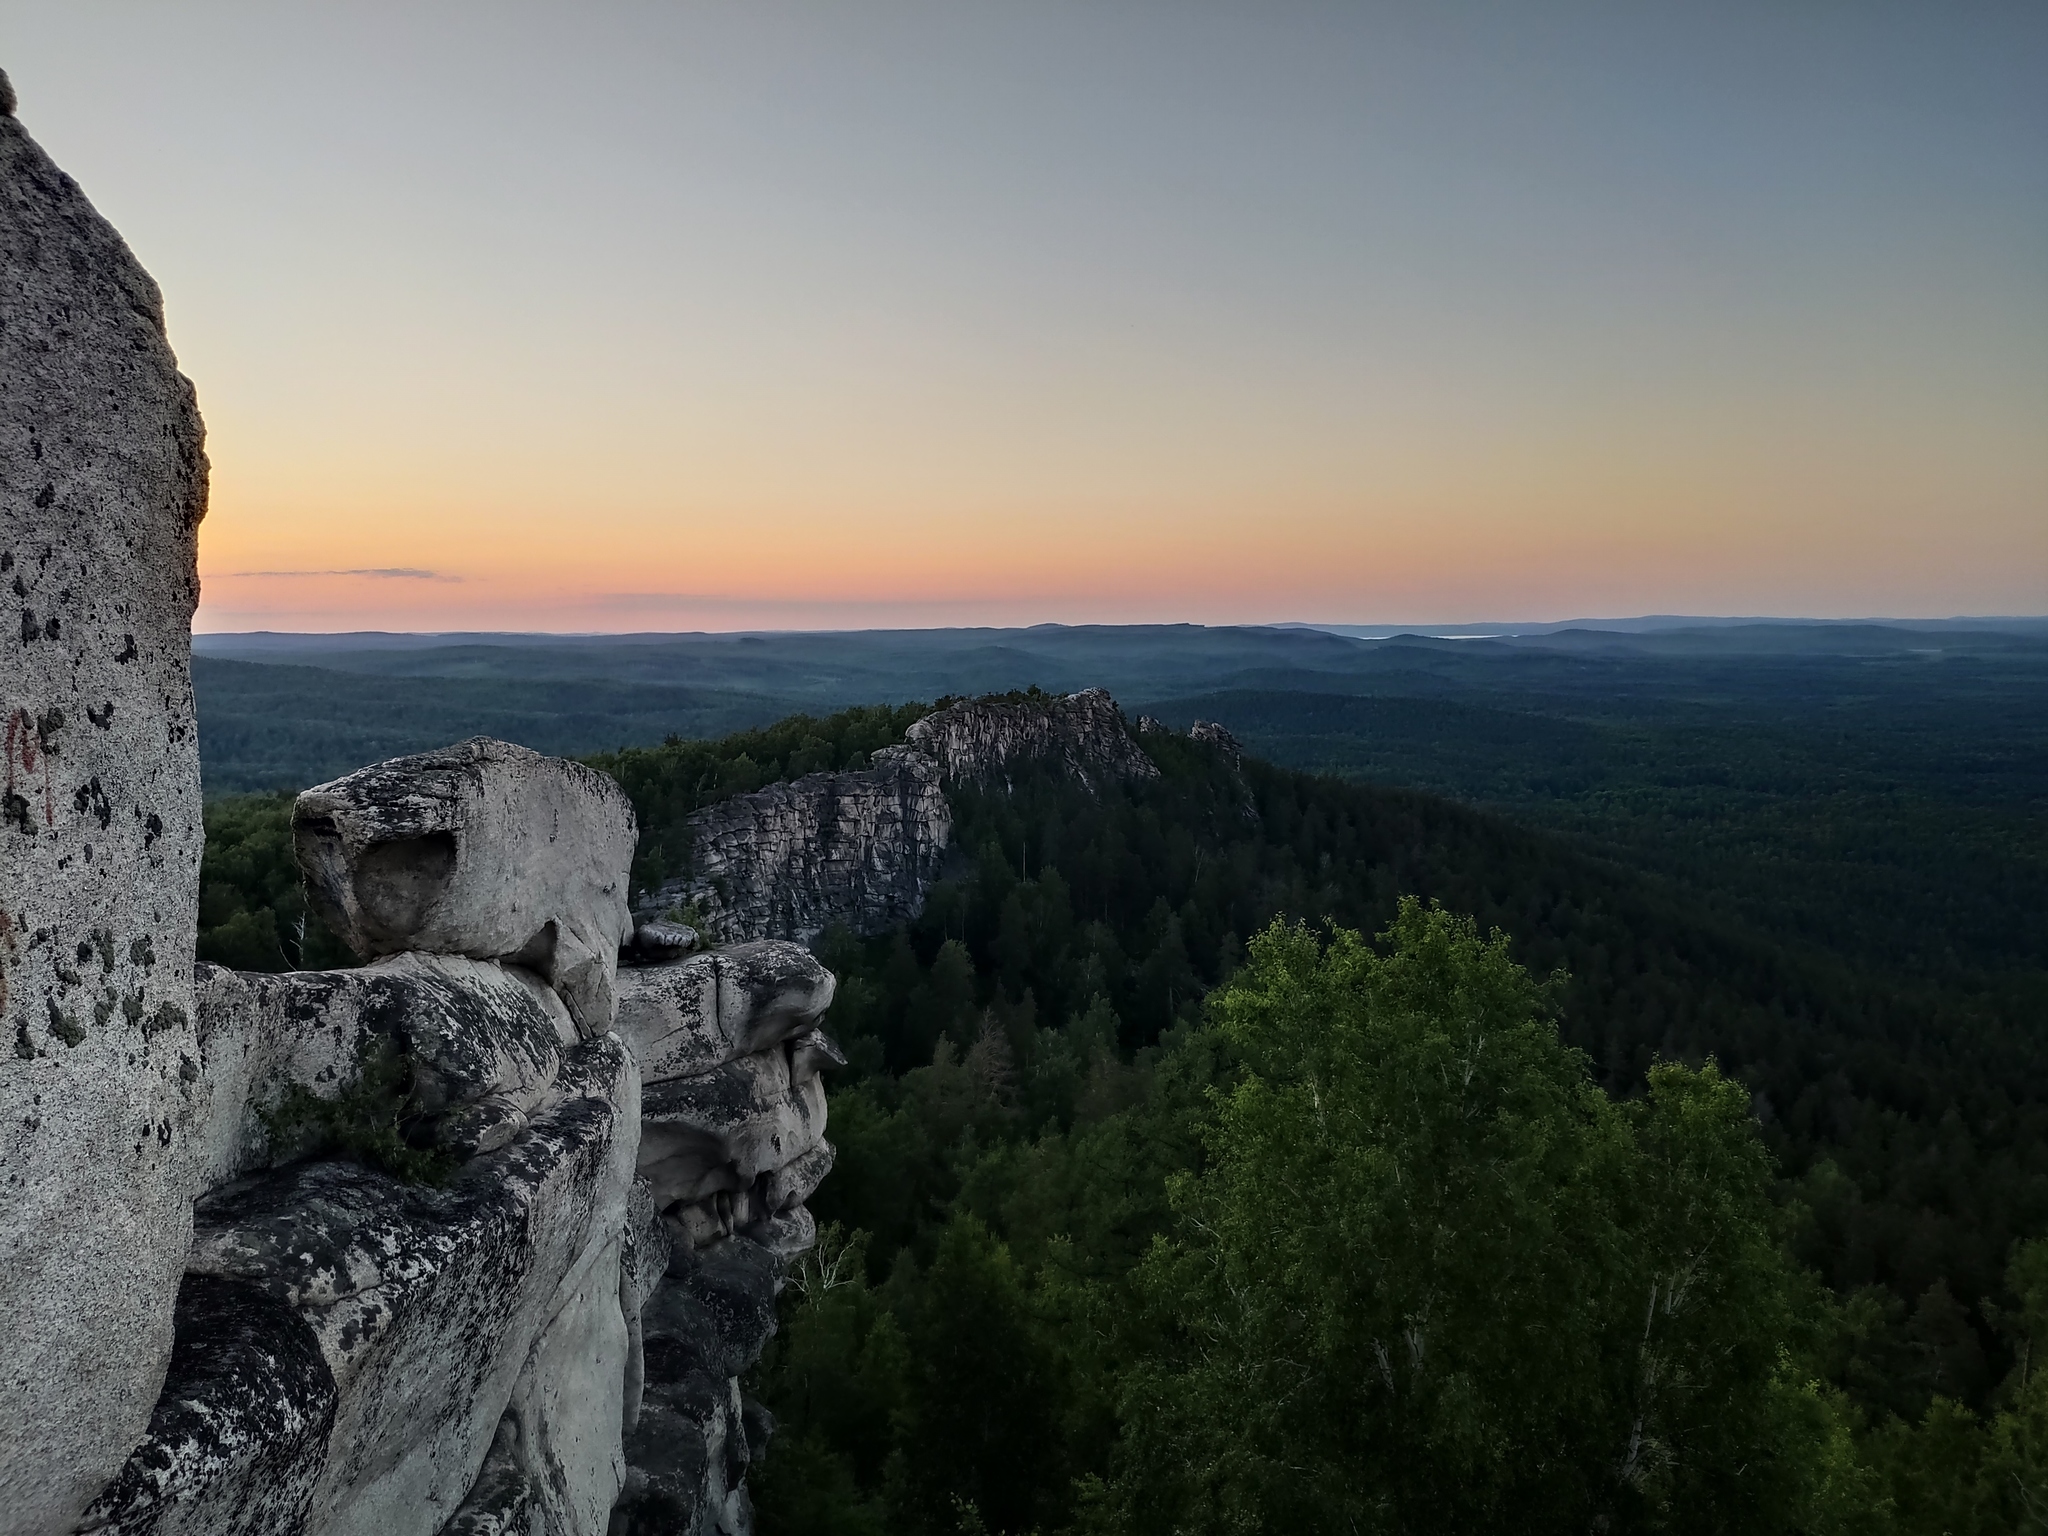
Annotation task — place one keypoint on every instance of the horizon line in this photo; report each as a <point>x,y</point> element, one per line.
<point>1347,628</point>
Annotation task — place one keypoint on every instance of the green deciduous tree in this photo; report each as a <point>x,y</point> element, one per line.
<point>1434,1279</point>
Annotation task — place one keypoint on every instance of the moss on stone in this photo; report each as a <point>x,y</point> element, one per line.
<point>367,1122</point>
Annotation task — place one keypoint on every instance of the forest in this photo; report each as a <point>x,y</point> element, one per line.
<point>1256,1149</point>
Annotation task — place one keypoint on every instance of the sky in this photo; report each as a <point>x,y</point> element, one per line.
<point>609,316</point>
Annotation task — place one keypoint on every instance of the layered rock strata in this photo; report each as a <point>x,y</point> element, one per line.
<point>102,486</point>
<point>861,848</point>
<point>732,1143</point>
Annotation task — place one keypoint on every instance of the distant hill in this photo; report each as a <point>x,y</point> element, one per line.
<point>265,727</point>
<point>1879,791</point>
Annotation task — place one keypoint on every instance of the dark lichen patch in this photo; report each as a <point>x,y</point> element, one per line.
<point>372,1121</point>
<point>246,1378</point>
<point>63,1025</point>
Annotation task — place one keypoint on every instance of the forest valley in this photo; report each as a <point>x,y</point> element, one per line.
<point>1255,1151</point>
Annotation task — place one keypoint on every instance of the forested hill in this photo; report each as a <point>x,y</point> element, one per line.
<point>1929,1116</point>
<point>1026,1059</point>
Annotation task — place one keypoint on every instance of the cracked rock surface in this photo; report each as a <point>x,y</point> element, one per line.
<point>430,1314</point>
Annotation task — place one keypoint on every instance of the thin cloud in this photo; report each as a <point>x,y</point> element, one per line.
<point>375,572</point>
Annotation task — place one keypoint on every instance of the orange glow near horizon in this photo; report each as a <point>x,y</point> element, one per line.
<point>811,317</point>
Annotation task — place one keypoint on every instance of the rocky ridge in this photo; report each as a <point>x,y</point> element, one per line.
<point>862,847</point>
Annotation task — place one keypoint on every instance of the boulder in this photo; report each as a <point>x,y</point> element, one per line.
<point>482,849</point>
<point>683,1019</point>
<point>102,486</point>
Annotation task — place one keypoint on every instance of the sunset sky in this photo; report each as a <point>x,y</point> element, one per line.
<point>682,316</point>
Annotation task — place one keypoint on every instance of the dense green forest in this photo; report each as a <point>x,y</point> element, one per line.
<point>1895,811</point>
<point>1083,1268</point>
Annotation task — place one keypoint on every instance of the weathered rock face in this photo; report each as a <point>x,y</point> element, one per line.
<point>1209,733</point>
<point>1083,734</point>
<point>688,1452</point>
<point>320,1348</point>
<point>390,1329</point>
<point>102,486</point>
<point>359,1355</point>
<point>732,1143</point>
<point>714,1008</point>
<point>482,1043</point>
<point>482,849</point>
<point>862,848</point>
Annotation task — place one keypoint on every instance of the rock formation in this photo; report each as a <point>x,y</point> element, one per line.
<point>859,847</point>
<point>562,1320</point>
<point>478,1237</point>
<point>862,847</point>
<point>1210,734</point>
<point>732,1143</point>
<point>475,1238</point>
<point>1082,734</point>
<point>483,849</point>
<point>102,486</point>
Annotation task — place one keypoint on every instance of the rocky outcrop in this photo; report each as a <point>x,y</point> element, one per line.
<point>482,849</point>
<point>732,1143</point>
<point>380,1250</point>
<point>102,486</point>
<point>861,848</point>
<point>1082,734</point>
<point>390,1327</point>
<point>548,1342</point>
<point>1210,734</point>
<point>481,1044</point>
